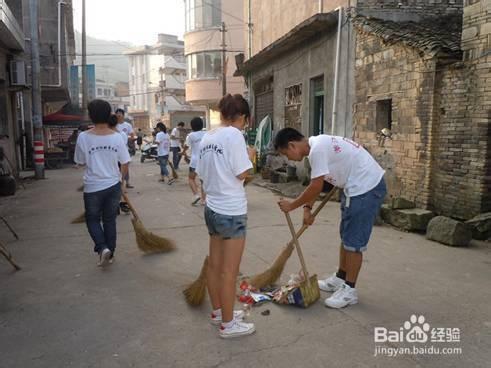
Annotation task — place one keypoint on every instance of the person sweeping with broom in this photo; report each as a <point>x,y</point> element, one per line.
<point>346,165</point>
<point>99,150</point>
<point>224,162</point>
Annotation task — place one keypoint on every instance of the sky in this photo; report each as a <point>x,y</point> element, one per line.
<point>137,22</point>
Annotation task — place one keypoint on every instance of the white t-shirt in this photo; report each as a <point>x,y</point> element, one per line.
<point>344,163</point>
<point>175,142</point>
<point>125,127</point>
<point>223,156</point>
<point>100,154</point>
<point>163,140</point>
<point>192,141</point>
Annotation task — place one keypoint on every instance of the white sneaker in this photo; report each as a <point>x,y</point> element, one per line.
<point>237,329</point>
<point>104,257</point>
<point>216,319</point>
<point>345,296</point>
<point>331,284</point>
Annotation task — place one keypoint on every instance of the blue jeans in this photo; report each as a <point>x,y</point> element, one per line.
<point>358,215</point>
<point>163,165</point>
<point>225,226</point>
<point>102,205</point>
<point>176,157</point>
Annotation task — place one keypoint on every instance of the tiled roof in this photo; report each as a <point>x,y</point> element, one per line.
<point>438,38</point>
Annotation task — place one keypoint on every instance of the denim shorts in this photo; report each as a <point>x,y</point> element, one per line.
<point>225,226</point>
<point>358,215</point>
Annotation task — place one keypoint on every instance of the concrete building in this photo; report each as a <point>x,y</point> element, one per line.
<point>57,51</point>
<point>299,64</point>
<point>203,50</point>
<point>108,91</point>
<point>156,84</point>
<point>426,78</point>
<point>12,81</point>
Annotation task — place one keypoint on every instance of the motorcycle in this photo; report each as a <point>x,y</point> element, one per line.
<point>149,151</point>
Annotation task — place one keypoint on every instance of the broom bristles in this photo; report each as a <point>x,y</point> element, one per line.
<point>79,219</point>
<point>272,274</point>
<point>148,242</point>
<point>195,292</point>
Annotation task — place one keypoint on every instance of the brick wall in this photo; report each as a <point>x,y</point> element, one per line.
<point>400,74</point>
<point>461,144</point>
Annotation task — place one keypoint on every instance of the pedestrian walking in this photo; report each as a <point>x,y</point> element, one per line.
<point>346,165</point>
<point>126,128</point>
<point>100,149</point>
<point>176,139</point>
<point>139,138</point>
<point>223,165</point>
<point>193,141</point>
<point>163,141</point>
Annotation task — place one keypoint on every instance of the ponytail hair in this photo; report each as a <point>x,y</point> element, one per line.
<point>232,107</point>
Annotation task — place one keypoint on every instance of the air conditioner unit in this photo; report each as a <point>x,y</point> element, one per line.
<point>18,73</point>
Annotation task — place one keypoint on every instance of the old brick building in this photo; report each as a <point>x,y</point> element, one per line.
<point>426,77</point>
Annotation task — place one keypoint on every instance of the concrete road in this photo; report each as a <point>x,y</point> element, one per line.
<point>63,311</point>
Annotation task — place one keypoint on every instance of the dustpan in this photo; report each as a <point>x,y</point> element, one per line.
<point>309,288</point>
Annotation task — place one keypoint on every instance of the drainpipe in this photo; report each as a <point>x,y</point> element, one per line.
<point>60,3</point>
<point>321,6</point>
<point>336,72</point>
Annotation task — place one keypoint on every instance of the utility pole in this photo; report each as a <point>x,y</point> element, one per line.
<point>37,108</point>
<point>224,60</point>
<point>162,94</point>
<point>84,64</point>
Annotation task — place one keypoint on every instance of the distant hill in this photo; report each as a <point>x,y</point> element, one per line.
<point>112,66</point>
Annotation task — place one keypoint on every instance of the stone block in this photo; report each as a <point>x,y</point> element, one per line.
<point>414,219</point>
<point>449,231</point>
<point>481,226</point>
<point>400,203</point>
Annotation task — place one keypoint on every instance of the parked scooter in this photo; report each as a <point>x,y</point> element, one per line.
<point>149,151</point>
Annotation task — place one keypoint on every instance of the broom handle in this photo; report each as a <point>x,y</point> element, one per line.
<point>132,209</point>
<point>314,214</point>
<point>297,245</point>
<point>174,174</point>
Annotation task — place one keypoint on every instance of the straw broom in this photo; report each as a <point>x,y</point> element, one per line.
<point>195,292</point>
<point>79,219</point>
<point>174,172</point>
<point>147,241</point>
<point>273,273</point>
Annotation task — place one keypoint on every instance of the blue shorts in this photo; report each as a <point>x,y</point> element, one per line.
<point>225,226</point>
<point>358,217</point>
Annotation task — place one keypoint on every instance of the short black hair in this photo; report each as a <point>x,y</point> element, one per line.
<point>99,111</point>
<point>119,110</point>
<point>285,136</point>
<point>181,123</point>
<point>197,124</point>
<point>161,126</point>
<point>113,120</point>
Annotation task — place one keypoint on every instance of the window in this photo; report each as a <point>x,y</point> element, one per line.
<point>201,14</point>
<point>99,91</point>
<point>204,65</point>
<point>384,115</point>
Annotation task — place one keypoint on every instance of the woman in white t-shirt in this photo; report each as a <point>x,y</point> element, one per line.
<point>99,150</point>
<point>224,162</point>
<point>193,141</point>
<point>163,141</point>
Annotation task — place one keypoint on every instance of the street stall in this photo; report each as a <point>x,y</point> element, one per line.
<point>60,137</point>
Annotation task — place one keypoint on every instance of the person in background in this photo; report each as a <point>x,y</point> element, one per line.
<point>72,142</point>
<point>126,128</point>
<point>99,150</point>
<point>163,141</point>
<point>346,165</point>
<point>192,142</point>
<point>139,138</point>
<point>224,162</point>
<point>176,138</point>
